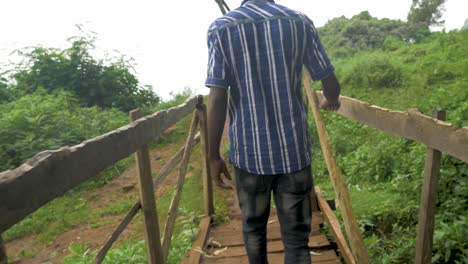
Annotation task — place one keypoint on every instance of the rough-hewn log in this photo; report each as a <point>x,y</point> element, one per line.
<point>127,219</point>
<point>3,254</point>
<point>172,163</point>
<point>174,207</point>
<point>428,202</point>
<point>412,125</point>
<point>50,174</point>
<point>334,226</point>
<point>207,182</point>
<point>147,200</point>
<point>351,226</point>
<point>195,256</point>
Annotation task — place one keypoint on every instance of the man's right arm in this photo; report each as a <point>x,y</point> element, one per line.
<point>331,92</point>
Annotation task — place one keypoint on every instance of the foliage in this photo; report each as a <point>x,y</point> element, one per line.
<point>95,82</point>
<point>44,120</point>
<point>384,173</point>
<point>426,13</point>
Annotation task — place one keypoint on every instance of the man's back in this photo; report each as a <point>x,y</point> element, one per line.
<point>258,50</point>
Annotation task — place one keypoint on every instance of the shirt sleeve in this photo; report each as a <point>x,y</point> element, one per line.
<point>218,74</point>
<point>316,61</point>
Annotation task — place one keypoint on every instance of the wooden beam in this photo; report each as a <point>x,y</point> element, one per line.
<point>207,182</point>
<point>412,125</point>
<point>195,256</point>
<point>352,228</point>
<point>174,207</point>
<point>334,226</point>
<point>172,163</point>
<point>428,202</point>
<point>147,200</point>
<point>3,253</point>
<point>50,174</point>
<point>125,222</point>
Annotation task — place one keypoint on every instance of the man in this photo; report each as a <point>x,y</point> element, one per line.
<point>257,51</point>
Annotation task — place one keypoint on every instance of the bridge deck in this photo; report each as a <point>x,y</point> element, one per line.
<point>231,245</point>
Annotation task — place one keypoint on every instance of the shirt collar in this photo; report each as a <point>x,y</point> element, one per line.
<point>245,1</point>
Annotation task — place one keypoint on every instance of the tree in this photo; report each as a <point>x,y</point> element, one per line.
<point>425,13</point>
<point>96,82</point>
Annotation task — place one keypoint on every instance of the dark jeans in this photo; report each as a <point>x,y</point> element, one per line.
<point>292,199</point>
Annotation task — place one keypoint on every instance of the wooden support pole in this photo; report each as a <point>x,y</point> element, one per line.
<point>148,203</point>
<point>174,207</point>
<point>207,182</point>
<point>428,202</point>
<point>344,201</point>
<point>3,254</point>
<point>127,219</point>
<point>334,226</point>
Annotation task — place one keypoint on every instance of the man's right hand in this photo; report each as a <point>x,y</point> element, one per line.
<point>218,166</point>
<point>331,105</point>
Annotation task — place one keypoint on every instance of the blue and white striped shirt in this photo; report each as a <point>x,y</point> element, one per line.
<point>258,51</point>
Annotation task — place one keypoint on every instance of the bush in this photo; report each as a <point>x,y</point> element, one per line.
<point>44,120</point>
<point>373,71</point>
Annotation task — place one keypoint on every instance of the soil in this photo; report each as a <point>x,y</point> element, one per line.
<point>124,185</point>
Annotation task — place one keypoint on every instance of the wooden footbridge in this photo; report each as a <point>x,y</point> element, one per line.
<point>50,174</point>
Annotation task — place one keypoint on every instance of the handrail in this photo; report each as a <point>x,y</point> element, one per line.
<point>28,187</point>
<point>22,190</point>
<point>413,125</point>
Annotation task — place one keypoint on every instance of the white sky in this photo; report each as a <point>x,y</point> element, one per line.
<point>167,39</point>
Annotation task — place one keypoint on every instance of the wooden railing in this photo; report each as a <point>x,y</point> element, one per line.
<point>433,132</point>
<point>50,174</point>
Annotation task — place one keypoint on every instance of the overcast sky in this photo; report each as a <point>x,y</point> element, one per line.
<point>167,39</point>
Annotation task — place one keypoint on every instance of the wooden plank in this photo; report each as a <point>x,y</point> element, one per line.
<point>207,182</point>
<point>172,163</point>
<point>318,241</point>
<point>428,202</point>
<point>50,174</point>
<point>352,228</point>
<point>412,125</point>
<point>325,257</point>
<point>147,200</point>
<point>3,253</point>
<point>234,237</point>
<point>174,207</point>
<point>334,226</point>
<point>199,243</point>
<point>127,219</point>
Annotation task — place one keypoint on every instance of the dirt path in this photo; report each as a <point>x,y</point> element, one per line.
<point>123,186</point>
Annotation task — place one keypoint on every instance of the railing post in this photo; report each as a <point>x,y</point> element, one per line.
<point>344,201</point>
<point>148,203</point>
<point>3,254</point>
<point>207,183</point>
<point>428,202</point>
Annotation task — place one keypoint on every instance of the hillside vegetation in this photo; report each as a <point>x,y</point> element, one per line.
<point>378,65</point>
<point>61,97</point>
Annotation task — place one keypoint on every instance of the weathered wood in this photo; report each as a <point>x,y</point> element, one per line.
<point>339,184</point>
<point>127,219</point>
<point>174,207</point>
<point>50,174</point>
<point>3,254</point>
<point>412,125</point>
<point>428,202</point>
<point>147,200</point>
<point>318,241</point>
<point>207,182</point>
<point>232,236</point>
<point>322,257</point>
<point>199,243</point>
<point>313,201</point>
<point>334,226</point>
<point>172,163</point>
